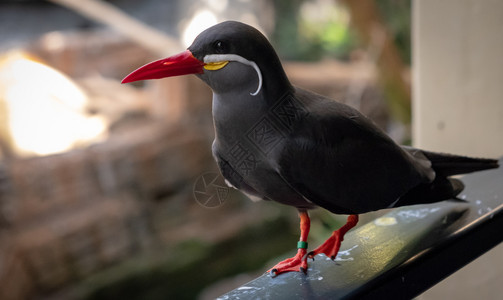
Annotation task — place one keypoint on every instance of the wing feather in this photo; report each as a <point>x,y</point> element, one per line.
<point>338,159</point>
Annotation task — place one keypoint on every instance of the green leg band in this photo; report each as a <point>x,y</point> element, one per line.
<point>301,245</point>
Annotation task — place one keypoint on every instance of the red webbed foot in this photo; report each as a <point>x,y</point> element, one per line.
<point>332,245</point>
<point>298,263</point>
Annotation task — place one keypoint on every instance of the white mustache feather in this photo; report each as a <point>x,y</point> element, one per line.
<point>210,58</point>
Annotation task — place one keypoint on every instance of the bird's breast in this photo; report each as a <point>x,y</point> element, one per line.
<point>255,174</point>
<point>250,134</point>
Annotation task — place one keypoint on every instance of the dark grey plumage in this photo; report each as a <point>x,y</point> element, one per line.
<point>325,154</point>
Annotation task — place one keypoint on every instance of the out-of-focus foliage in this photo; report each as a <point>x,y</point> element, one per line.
<point>286,31</point>
<point>396,14</point>
<point>312,29</point>
<point>325,27</point>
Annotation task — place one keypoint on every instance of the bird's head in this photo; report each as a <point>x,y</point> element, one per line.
<point>229,57</point>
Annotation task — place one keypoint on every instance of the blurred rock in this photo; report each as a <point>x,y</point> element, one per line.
<point>73,214</point>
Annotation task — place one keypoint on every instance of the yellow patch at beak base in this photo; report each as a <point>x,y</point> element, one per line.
<point>213,66</point>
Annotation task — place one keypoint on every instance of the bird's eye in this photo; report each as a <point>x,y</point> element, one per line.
<point>220,47</point>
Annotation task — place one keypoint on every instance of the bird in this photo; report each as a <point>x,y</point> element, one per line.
<point>275,141</point>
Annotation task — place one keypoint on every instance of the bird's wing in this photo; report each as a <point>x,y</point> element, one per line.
<point>338,159</point>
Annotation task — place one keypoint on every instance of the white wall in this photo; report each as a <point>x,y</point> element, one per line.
<point>458,76</point>
<point>458,107</point>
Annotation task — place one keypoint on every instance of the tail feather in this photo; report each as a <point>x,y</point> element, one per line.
<point>444,165</point>
<point>449,164</point>
<point>457,186</point>
<point>440,189</point>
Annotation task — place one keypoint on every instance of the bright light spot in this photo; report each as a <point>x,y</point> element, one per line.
<point>322,11</point>
<point>41,110</point>
<point>385,221</point>
<point>217,5</point>
<point>53,41</point>
<point>199,22</point>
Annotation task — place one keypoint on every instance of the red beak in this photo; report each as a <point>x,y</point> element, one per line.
<point>179,64</point>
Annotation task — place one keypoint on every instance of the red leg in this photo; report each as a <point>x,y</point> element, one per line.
<point>331,246</point>
<point>298,262</point>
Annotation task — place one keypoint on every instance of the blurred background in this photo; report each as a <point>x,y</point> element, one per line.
<point>100,183</point>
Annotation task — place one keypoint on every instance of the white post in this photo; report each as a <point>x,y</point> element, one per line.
<point>458,107</point>
<point>458,76</point>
